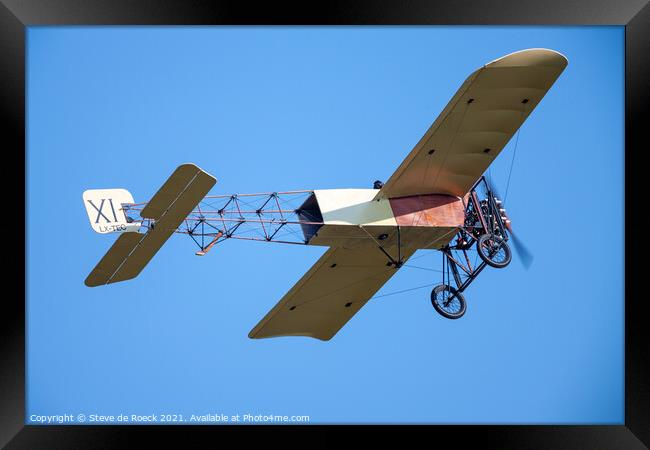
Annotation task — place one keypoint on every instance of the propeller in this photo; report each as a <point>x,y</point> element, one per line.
<point>525,255</point>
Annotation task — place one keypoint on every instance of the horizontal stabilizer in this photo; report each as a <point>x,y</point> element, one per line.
<point>181,192</point>
<point>114,259</point>
<point>169,207</point>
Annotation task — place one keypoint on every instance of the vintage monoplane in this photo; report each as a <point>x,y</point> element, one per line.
<point>438,198</point>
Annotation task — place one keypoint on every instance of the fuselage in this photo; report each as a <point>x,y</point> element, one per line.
<point>355,217</point>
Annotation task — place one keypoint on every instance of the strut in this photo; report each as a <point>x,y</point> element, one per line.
<point>284,217</point>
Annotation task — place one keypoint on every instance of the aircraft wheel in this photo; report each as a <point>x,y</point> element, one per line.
<point>448,301</point>
<point>494,250</point>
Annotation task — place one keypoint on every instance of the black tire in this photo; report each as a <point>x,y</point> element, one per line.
<point>494,250</point>
<point>442,292</point>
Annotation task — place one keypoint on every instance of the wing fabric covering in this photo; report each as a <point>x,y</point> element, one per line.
<point>329,294</point>
<point>131,252</point>
<point>478,122</point>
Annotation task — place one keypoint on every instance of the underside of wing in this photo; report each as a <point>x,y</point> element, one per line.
<point>329,294</point>
<point>477,123</point>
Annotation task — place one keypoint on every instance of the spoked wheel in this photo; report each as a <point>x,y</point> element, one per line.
<point>494,250</point>
<point>448,301</point>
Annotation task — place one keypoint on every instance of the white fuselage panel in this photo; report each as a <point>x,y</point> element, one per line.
<point>354,218</point>
<point>354,207</point>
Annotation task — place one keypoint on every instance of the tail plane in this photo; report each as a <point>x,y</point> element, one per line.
<point>108,212</point>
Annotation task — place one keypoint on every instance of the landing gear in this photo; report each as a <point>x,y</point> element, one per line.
<point>447,298</point>
<point>494,250</point>
<point>484,226</point>
<point>448,301</point>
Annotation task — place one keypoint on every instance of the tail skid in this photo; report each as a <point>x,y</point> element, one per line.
<point>210,245</point>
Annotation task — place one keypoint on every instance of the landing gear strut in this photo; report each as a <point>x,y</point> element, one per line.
<point>485,226</point>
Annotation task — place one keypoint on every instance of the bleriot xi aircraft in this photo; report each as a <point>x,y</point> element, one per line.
<point>437,199</point>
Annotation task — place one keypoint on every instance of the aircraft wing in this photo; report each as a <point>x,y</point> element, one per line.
<point>478,122</point>
<point>329,294</point>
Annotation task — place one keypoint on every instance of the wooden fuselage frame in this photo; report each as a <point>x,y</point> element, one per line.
<point>353,218</point>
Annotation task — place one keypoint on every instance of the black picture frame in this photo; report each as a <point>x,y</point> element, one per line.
<point>16,15</point>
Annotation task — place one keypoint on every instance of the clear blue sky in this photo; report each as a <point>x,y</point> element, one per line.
<point>269,109</point>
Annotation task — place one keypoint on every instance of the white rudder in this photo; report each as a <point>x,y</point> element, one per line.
<point>108,210</point>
